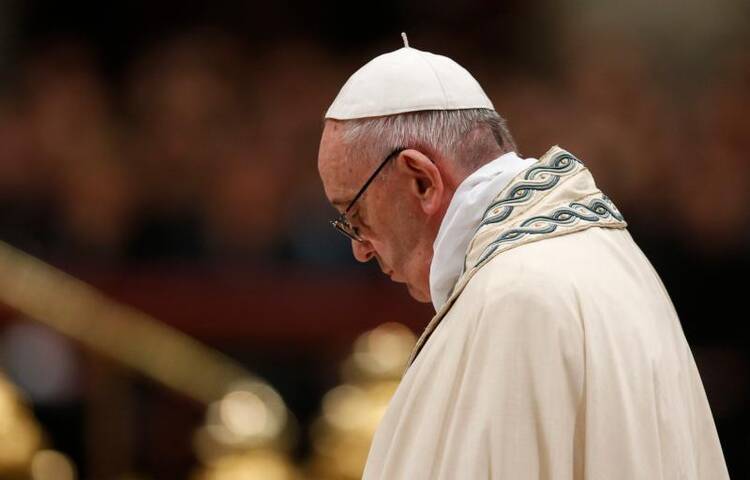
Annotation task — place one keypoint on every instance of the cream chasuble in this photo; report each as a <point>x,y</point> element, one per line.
<point>557,355</point>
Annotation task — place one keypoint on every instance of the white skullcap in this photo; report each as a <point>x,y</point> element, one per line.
<point>407,80</point>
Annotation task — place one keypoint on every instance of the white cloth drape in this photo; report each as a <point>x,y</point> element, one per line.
<point>462,218</point>
<point>558,356</point>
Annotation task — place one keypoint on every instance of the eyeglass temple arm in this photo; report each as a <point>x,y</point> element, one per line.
<point>372,177</point>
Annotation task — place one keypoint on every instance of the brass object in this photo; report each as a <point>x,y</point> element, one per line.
<point>352,411</point>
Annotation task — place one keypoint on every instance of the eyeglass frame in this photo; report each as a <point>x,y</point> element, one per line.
<point>342,223</point>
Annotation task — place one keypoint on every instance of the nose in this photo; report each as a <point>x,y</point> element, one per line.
<point>362,251</point>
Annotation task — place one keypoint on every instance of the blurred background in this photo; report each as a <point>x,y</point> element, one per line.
<point>165,153</point>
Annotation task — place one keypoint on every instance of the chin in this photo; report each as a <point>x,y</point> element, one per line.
<point>418,294</point>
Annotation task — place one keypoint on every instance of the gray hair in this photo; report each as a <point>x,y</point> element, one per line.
<point>468,137</point>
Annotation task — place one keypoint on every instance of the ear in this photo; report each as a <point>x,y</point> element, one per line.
<point>424,179</point>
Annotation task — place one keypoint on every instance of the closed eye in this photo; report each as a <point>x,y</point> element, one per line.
<point>357,221</point>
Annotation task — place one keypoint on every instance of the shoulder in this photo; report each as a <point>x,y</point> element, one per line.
<point>562,264</point>
<point>531,274</point>
<point>520,294</point>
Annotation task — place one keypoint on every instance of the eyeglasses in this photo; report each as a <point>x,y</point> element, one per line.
<point>342,223</point>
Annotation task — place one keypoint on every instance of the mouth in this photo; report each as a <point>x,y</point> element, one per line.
<point>387,271</point>
<point>392,275</point>
<point>383,269</point>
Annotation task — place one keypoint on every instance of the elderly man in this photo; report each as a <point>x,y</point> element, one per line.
<point>555,352</point>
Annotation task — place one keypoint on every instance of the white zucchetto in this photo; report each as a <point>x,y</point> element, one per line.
<point>407,80</point>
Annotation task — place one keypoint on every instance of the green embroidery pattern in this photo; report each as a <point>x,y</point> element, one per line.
<point>598,210</point>
<point>538,178</point>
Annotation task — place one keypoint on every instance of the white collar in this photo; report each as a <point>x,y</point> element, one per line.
<point>462,218</point>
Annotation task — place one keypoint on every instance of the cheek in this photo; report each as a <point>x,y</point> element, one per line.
<point>395,233</point>
<point>388,244</point>
<point>405,254</point>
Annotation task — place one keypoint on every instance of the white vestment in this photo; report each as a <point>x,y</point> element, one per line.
<point>557,355</point>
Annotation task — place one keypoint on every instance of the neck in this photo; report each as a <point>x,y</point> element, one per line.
<point>454,172</point>
<point>473,161</point>
<point>463,214</point>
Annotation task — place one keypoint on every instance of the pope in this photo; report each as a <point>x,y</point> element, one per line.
<point>555,351</point>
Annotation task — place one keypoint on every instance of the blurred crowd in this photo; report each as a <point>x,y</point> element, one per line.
<point>201,150</point>
<point>205,149</point>
<point>204,152</point>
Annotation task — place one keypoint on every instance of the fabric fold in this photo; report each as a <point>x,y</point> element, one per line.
<point>463,217</point>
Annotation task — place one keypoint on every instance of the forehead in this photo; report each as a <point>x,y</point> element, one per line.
<point>339,175</point>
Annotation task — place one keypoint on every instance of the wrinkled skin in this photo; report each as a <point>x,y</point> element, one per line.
<point>399,215</point>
